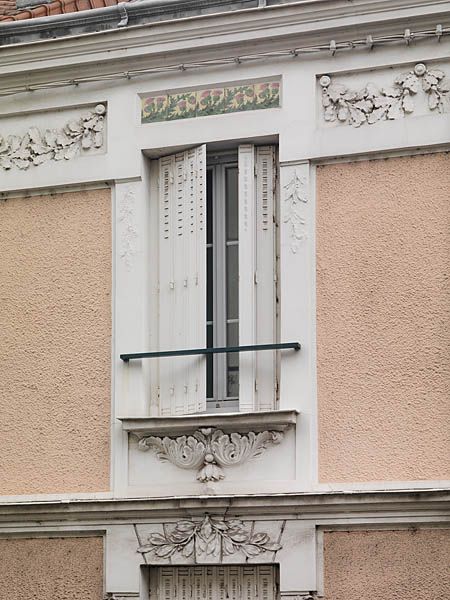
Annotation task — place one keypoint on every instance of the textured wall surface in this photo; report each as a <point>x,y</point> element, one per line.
<point>399,565</point>
<point>55,324</point>
<point>51,569</point>
<point>383,319</point>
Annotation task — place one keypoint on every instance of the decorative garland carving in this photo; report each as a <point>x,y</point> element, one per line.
<point>37,147</point>
<point>371,104</point>
<point>209,538</point>
<point>210,449</point>
<point>296,195</point>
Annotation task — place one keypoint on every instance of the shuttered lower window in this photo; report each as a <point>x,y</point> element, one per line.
<point>220,214</point>
<point>236,582</point>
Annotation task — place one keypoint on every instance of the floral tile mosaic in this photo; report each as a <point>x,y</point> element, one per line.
<point>210,101</point>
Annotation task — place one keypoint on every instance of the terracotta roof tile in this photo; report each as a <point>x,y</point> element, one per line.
<point>57,7</point>
<point>7,7</point>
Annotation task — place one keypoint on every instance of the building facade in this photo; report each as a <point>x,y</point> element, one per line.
<point>225,304</point>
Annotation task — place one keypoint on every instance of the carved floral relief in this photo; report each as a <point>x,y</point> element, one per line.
<point>208,539</point>
<point>372,104</point>
<point>38,146</point>
<point>210,450</point>
<point>295,195</point>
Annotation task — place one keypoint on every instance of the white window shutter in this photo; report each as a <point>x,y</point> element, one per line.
<point>247,271</point>
<point>182,280</point>
<point>257,282</point>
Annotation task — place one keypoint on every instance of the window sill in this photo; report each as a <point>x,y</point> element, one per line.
<point>277,420</point>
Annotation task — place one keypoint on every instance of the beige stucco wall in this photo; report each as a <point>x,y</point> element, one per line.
<point>55,324</point>
<point>383,319</point>
<point>51,569</point>
<point>399,565</point>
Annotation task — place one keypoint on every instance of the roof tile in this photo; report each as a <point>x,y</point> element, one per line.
<point>57,7</point>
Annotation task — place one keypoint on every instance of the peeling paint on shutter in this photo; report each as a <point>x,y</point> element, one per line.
<point>257,285</point>
<point>182,280</point>
<point>234,582</point>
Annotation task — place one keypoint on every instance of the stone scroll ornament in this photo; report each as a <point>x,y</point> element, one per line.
<point>208,538</point>
<point>209,450</point>
<point>38,146</point>
<point>372,104</point>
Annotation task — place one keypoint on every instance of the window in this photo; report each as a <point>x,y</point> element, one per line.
<point>216,278</point>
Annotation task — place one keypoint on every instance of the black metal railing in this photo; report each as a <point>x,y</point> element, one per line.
<point>221,350</point>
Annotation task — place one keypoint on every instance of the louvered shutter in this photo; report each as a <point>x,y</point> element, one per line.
<point>182,280</point>
<point>257,282</point>
<point>233,582</point>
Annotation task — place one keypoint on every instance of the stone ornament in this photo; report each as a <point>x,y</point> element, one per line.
<point>296,195</point>
<point>371,104</point>
<point>210,538</point>
<point>37,147</point>
<point>208,450</point>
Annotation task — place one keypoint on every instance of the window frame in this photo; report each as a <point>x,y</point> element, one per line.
<point>217,165</point>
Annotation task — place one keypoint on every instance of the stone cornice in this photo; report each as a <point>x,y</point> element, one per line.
<point>307,21</point>
<point>433,505</point>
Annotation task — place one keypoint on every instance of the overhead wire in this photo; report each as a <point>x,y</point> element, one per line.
<point>369,42</point>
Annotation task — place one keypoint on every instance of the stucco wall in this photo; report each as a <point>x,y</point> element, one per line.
<point>51,569</point>
<point>383,319</point>
<point>55,323</point>
<point>399,565</point>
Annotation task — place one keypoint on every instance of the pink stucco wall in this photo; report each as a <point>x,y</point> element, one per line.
<point>399,565</point>
<point>51,569</point>
<point>55,324</point>
<point>383,319</point>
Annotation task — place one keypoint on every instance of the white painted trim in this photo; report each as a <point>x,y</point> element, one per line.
<point>60,189</point>
<point>374,486</point>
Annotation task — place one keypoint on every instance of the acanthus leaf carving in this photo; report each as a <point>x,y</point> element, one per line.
<point>209,450</point>
<point>37,147</point>
<point>209,538</point>
<point>371,104</point>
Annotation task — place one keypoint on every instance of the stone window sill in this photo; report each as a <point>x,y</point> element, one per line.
<point>277,420</point>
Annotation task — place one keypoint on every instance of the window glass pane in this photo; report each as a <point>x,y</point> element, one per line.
<point>209,363</point>
<point>209,206</point>
<point>233,361</point>
<point>209,284</point>
<point>232,282</point>
<point>231,192</point>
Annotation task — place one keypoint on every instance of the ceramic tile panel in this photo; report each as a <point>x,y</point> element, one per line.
<point>210,101</point>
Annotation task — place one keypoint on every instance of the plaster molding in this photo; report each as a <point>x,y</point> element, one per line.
<point>296,194</point>
<point>209,450</point>
<point>371,105</point>
<point>209,538</point>
<point>315,21</point>
<point>37,147</point>
<point>414,505</point>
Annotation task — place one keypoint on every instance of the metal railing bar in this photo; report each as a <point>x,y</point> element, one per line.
<point>220,350</point>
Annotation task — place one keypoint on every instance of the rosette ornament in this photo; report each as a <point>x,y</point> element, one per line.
<point>209,450</point>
